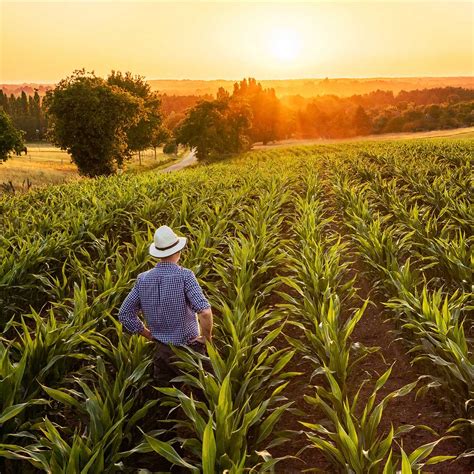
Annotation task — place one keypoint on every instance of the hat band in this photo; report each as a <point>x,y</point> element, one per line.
<point>169,246</point>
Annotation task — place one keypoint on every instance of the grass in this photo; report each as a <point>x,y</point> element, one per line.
<point>462,135</point>
<point>46,165</point>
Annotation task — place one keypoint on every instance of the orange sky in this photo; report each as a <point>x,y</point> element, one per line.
<point>46,41</point>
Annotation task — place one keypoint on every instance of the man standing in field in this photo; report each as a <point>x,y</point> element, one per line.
<point>169,298</point>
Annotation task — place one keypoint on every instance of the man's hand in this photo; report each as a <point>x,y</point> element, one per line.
<point>205,321</point>
<point>147,333</point>
<point>200,339</point>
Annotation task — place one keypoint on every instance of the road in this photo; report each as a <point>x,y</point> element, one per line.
<point>188,160</point>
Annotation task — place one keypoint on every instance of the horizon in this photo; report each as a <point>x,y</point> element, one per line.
<point>227,41</point>
<point>264,79</point>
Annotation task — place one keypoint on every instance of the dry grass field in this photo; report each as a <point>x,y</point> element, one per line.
<point>46,164</point>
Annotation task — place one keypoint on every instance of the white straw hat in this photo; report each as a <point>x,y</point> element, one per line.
<point>166,242</point>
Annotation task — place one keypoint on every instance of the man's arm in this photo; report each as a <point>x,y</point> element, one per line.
<point>200,305</point>
<point>205,322</point>
<point>128,314</point>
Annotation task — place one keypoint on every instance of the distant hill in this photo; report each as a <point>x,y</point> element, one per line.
<point>312,87</point>
<point>286,87</point>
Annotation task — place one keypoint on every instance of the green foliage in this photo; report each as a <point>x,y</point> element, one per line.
<point>216,128</point>
<point>147,131</point>
<point>170,148</point>
<point>422,261</point>
<point>352,439</point>
<point>11,139</point>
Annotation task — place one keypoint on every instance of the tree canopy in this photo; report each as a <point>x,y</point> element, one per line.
<point>148,130</point>
<point>216,127</point>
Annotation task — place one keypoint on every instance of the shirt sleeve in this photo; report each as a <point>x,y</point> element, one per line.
<point>128,313</point>
<point>194,294</point>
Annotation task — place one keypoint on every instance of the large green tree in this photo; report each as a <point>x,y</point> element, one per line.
<point>11,139</point>
<point>90,119</point>
<point>216,127</point>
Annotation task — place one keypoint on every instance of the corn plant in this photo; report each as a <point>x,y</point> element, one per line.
<point>230,433</point>
<point>354,442</point>
<point>437,323</point>
<point>14,399</point>
<point>108,404</point>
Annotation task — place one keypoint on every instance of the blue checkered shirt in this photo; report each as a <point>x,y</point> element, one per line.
<point>169,297</point>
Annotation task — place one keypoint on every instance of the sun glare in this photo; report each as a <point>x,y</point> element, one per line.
<point>285,44</point>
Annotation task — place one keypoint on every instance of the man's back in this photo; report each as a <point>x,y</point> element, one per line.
<point>169,297</point>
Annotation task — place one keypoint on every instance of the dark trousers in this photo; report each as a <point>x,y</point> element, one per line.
<point>163,368</point>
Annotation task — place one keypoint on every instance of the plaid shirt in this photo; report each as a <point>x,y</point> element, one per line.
<point>169,297</point>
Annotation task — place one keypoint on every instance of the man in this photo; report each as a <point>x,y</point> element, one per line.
<point>169,297</point>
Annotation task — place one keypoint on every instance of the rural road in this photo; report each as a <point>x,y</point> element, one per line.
<point>188,160</point>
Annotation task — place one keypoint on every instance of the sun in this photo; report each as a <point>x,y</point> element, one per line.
<point>285,44</point>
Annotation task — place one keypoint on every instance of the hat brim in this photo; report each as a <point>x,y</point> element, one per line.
<point>166,253</point>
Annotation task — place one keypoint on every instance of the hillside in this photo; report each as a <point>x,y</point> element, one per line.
<point>304,87</point>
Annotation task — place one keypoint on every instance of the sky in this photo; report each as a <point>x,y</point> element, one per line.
<point>46,41</point>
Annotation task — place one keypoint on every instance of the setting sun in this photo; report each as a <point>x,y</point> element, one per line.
<point>285,44</point>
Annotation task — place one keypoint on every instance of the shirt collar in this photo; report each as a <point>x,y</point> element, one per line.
<point>166,264</point>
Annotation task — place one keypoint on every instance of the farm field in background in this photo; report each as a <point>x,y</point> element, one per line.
<point>45,164</point>
<point>341,278</point>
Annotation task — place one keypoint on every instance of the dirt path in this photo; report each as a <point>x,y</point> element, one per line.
<point>188,160</point>
<point>458,132</point>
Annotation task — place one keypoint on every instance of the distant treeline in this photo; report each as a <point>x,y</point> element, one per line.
<point>27,114</point>
<point>271,118</point>
<point>330,116</point>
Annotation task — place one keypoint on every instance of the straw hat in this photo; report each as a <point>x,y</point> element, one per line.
<point>166,242</point>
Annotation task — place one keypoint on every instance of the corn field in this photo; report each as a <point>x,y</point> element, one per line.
<point>295,248</point>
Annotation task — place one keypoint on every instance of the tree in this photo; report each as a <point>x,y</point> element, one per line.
<point>216,127</point>
<point>361,122</point>
<point>90,120</point>
<point>144,133</point>
<point>11,139</point>
<point>170,148</point>
<point>222,94</point>
<point>159,136</point>
<point>267,122</point>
